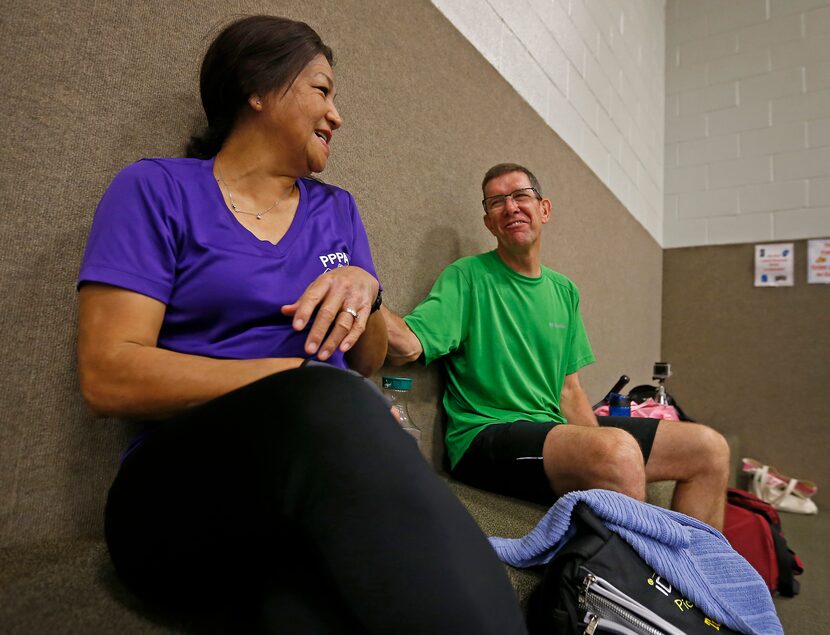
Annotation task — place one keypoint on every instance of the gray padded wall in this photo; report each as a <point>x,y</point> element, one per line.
<point>754,360</point>
<point>89,87</point>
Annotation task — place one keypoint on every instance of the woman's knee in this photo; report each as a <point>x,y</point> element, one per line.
<point>318,401</point>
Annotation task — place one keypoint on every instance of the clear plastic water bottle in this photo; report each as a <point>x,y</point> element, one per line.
<point>397,389</point>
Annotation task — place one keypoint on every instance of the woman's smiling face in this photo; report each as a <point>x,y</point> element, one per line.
<point>303,118</point>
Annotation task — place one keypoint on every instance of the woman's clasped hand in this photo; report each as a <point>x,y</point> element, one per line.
<point>337,303</point>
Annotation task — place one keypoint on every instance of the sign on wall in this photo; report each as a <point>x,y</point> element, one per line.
<point>774,265</point>
<point>818,261</point>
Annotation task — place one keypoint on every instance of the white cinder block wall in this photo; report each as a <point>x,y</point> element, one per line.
<point>747,121</point>
<point>595,71</point>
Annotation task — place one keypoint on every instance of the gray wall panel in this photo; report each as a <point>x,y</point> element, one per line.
<point>751,361</point>
<point>94,86</point>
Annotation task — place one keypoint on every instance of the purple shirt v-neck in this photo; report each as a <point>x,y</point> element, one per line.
<point>162,229</point>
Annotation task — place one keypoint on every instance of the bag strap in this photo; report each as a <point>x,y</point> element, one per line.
<point>589,537</point>
<point>789,564</point>
<point>754,503</point>
<point>788,586</point>
<point>582,513</point>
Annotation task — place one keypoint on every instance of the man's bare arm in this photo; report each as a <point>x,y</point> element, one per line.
<point>574,403</point>
<point>404,346</point>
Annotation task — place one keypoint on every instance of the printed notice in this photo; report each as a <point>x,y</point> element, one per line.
<point>818,261</point>
<point>774,265</point>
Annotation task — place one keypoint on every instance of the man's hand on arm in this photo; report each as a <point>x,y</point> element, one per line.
<point>574,403</point>
<point>404,346</point>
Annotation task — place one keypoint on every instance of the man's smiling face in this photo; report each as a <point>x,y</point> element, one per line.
<point>516,225</point>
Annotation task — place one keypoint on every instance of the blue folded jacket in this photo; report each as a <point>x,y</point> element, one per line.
<point>695,558</point>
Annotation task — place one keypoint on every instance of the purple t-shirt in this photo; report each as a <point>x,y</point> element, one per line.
<point>162,229</point>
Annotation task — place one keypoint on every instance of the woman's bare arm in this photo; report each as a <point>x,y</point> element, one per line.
<point>123,373</point>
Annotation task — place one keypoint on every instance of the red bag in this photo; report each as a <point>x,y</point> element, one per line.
<point>753,528</point>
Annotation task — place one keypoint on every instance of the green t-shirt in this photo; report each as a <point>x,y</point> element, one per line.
<point>507,341</point>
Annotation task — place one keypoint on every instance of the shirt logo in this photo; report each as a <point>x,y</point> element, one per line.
<point>334,260</point>
<point>557,325</point>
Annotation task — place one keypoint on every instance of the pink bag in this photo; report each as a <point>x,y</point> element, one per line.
<point>649,409</point>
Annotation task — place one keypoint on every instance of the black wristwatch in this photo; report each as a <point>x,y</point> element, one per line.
<point>378,301</point>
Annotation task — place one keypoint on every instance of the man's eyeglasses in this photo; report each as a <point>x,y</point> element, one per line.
<point>522,197</point>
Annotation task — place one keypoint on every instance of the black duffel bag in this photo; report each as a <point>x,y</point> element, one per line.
<point>597,583</point>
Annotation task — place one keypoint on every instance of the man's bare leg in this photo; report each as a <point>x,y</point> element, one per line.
<point>586,457</point>
<point>697,457</point>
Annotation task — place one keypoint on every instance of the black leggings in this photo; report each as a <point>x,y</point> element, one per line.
<point>300,495</point>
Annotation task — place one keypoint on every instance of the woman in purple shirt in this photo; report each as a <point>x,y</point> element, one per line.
<point>279,489</point>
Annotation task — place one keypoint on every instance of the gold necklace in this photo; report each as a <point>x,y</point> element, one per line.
<point>236,210</point>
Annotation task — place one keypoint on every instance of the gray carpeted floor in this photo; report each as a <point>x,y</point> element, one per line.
<point>73,588</point>
<point>809,612</point>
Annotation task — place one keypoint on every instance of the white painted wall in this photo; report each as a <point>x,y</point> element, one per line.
<point>747,121</point>
<point>594,70</point>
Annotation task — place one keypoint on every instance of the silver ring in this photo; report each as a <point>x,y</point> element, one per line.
<point>351,312</point>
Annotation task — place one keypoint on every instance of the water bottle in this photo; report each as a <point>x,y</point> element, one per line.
<point>619,405</point>
<point>397,389</point>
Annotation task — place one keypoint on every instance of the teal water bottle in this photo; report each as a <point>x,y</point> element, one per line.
<point>397,389</point>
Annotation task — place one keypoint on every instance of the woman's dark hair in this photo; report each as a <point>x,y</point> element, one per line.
<point>254,55</point>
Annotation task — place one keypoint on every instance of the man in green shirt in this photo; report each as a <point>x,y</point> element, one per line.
<point>512,340</point>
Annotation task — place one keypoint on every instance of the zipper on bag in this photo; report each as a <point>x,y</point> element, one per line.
<point>592,625</point>
<point>605,626</point>
<point>602,600</point>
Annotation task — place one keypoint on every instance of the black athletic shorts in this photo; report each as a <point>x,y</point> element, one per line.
<point>506,458</point>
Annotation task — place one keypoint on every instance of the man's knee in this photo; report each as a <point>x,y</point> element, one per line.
<point>714,448</point>
<point>622,459</point>
<point>699,451</point>
<point>606,458</point>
